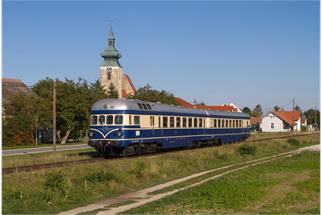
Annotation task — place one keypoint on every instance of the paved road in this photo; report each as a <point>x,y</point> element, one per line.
<point>11,152</point>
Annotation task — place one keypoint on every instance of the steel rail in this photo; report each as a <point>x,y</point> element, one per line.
<point>27,168</point>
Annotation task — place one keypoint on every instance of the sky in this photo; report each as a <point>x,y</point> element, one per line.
<point>245,52</point>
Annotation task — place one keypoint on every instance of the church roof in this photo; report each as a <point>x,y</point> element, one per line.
<point>111,54</point>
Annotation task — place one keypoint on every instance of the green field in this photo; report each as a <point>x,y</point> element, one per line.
<point>287,186</point>
<point>54,190</point>
<point>48,157</point>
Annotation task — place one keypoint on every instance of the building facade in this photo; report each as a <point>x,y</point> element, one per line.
<point>281,121</point>
<point>111,71</point>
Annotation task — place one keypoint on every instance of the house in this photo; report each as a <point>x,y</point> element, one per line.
<point>281,121</point>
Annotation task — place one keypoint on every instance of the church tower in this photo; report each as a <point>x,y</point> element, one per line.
<point>111,71</point>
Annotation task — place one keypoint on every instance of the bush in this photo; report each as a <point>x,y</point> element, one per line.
<point>98,177</point>
<point>56,181</point>
<point>293,142</point>
<point>247,150</point>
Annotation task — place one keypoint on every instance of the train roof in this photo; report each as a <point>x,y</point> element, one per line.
<point>132,104</point>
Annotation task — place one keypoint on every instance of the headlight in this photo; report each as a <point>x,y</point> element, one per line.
<point>91,134</point>
<point>120,133</point>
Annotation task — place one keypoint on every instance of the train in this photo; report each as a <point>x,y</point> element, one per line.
<point>129,127</point>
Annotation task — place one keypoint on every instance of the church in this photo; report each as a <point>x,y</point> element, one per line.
<point>111,71</point>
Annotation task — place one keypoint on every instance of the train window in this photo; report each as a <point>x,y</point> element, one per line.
<point>195,122</point>
<point>215,123</point>
<point>190,122</point>
<point>230,123</point>
<point>165,122</point>
<point>149,107</point>
<point>94,120</point>
<point>140,105</point>
<point>152,121</point>
<point>200,122</point>
<point>159,122</point>
<point>184,122</point>
<point>226,123</point>
<point>204,122</point>
<point>240,123</point>
<point>101,120</point>
<point>219,123</point>
<point>144,106</point>
<point>118,119</point>
<point>130,119</point>
<point>171,122</point>
<point>109,120</point>
<point>137,120</point>
<point>178,125</point>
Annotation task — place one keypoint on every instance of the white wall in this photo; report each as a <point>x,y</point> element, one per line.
<point>267,122</point>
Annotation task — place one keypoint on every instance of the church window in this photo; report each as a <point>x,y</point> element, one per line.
<point>272,125</point>
<point>109,75</point>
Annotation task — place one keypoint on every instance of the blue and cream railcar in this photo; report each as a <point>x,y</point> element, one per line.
<point>135,126</point>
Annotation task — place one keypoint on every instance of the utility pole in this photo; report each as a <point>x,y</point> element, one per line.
<point>293,116</point>
<point>36,131</point>
<point>315,118</point>
<point>54,116</point>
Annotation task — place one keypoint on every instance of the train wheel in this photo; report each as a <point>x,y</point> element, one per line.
<point>152,148</point>
<point>128,151</point>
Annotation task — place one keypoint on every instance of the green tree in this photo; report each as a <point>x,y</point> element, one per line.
<point>147,93</point>
<point>112,92</point>
<point>311,115</point>
<point>19,119</point>
<point>277,108</point>
<point>257,111</point>
<point>247,110</point>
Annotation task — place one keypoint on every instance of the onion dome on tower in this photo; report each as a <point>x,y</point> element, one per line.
<point>110,54</point>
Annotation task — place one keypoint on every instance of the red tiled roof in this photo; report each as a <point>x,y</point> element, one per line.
<point>183,103</point>
<point>255,120</point>
<point>130,81</point>
<point>288,116</point>
<point>216,107</point>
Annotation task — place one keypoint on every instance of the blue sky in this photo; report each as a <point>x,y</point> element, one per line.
<point>248,53</point>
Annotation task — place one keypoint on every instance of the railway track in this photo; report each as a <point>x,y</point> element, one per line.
<point>27,168</point>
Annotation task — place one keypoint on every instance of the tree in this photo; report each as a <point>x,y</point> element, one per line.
<point>297,108</point>
<point>277,108</point>
<point>19,119</point>
<point>311,115</point>
<point>257,111</point>
<point>147,93</point>
<point>112,92</point>
<point>247,111</point>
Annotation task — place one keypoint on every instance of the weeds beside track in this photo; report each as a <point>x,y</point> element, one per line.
<point>26,168</point>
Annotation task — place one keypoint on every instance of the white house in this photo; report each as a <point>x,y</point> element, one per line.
<point>281,121</point>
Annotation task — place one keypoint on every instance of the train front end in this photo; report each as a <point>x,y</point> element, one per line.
<point>106,126</point>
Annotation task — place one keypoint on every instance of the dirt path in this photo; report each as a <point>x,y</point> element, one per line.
<point>132,200</point>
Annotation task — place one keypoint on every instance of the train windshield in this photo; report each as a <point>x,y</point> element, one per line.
<point>118,119</point>
<point>101,120</point>
<point>94,120</point>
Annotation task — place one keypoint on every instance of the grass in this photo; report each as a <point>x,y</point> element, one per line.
<point>290,185</point>
<point>42,145</point>
<point>26,193</point>
<point>39,158</point>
